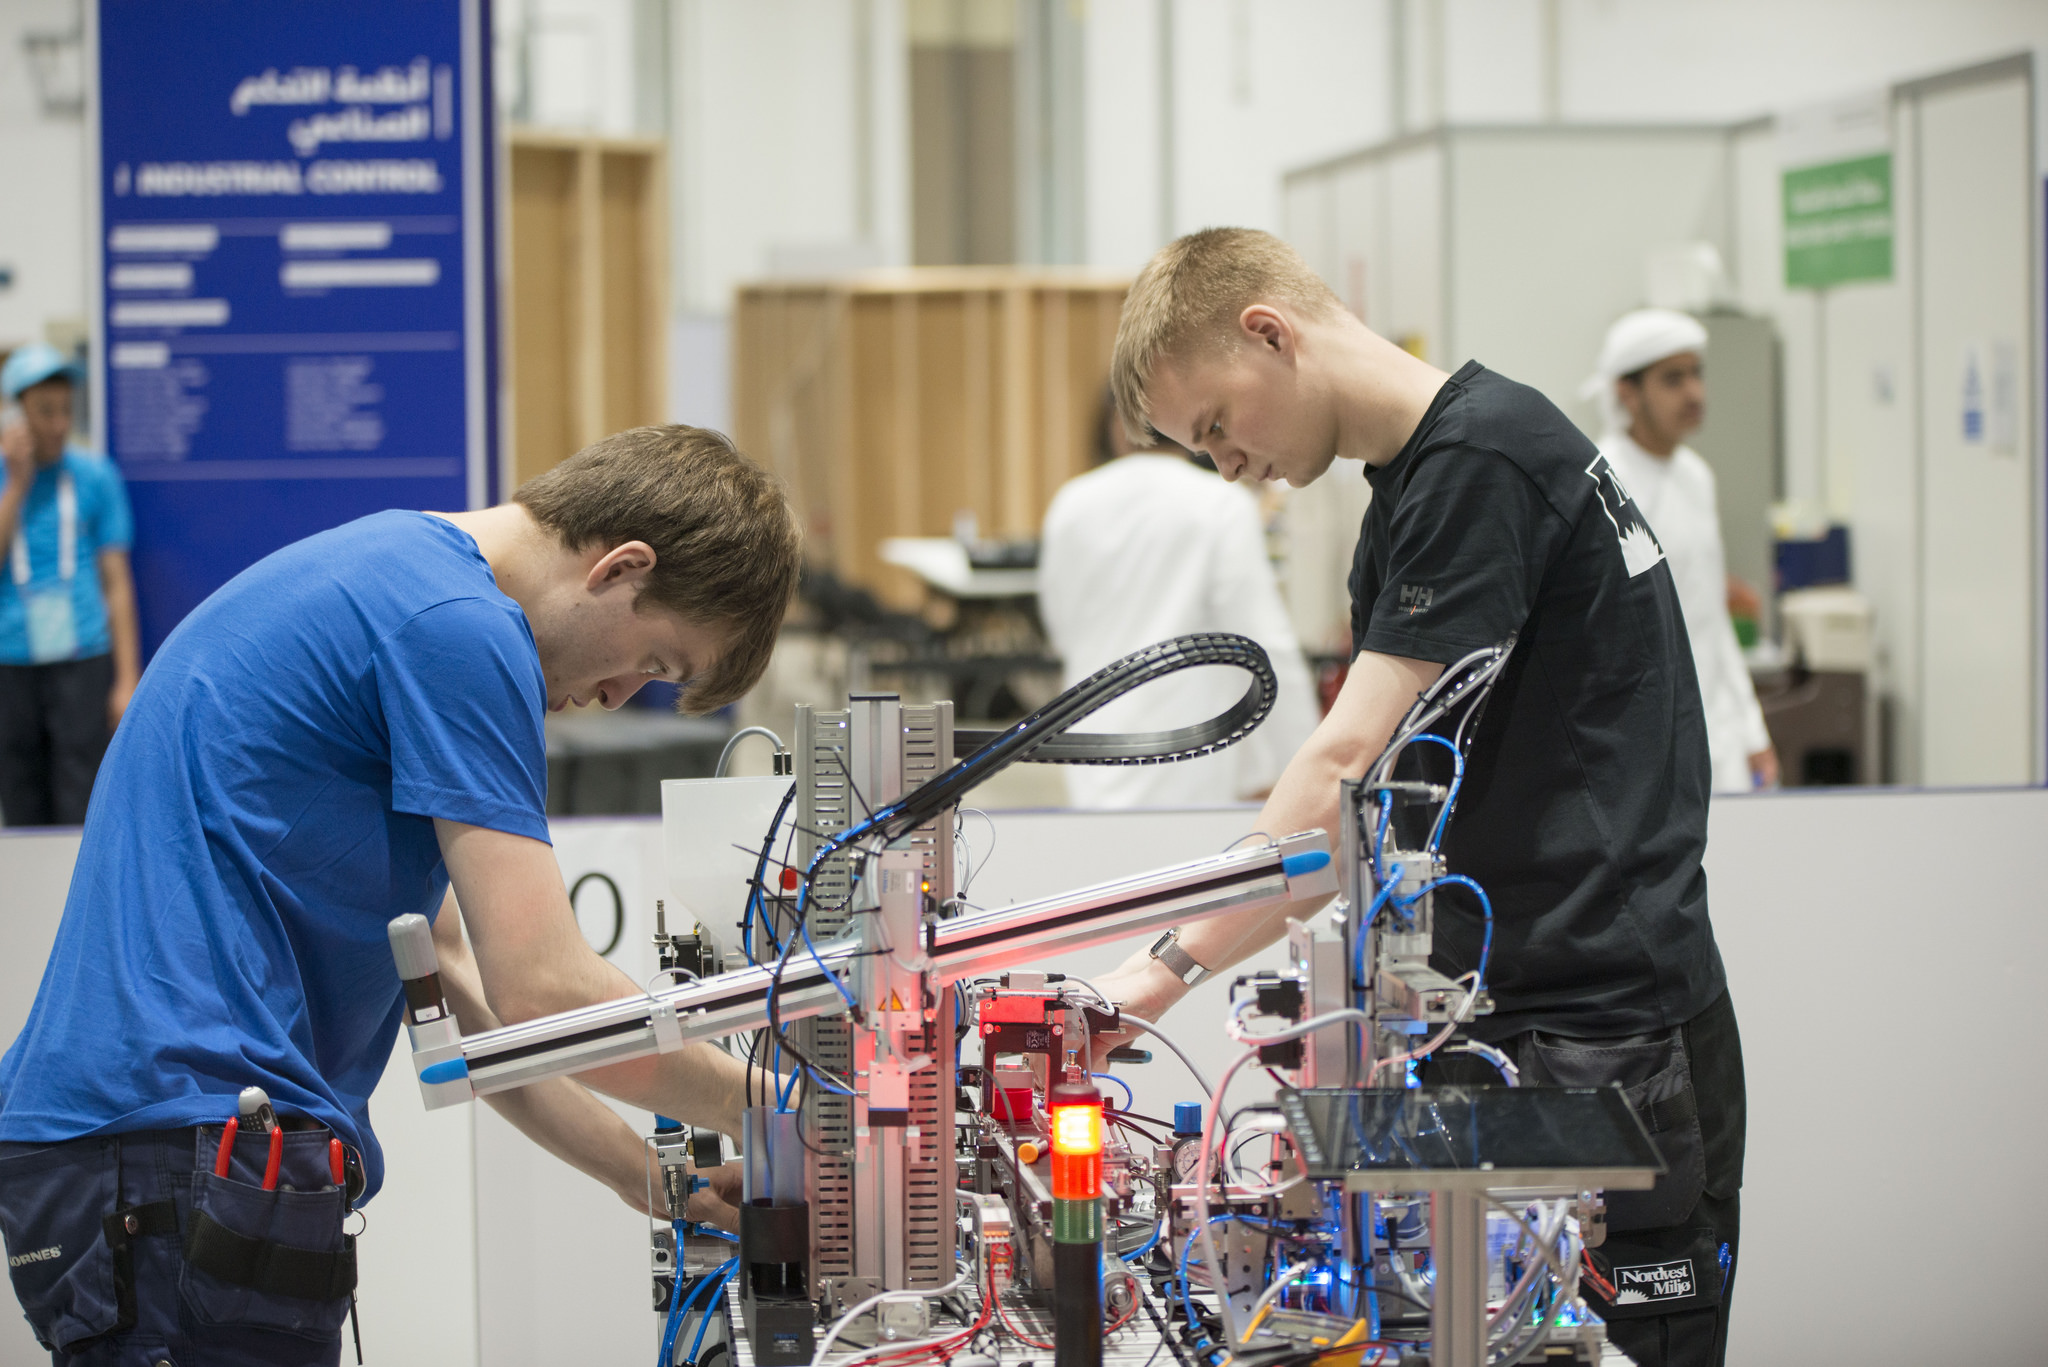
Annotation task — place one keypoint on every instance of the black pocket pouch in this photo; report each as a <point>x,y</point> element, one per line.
<point>1655,1074</point>
<point>52,1202</point>
<point>1673,1271</point>
<point>268,1259</point>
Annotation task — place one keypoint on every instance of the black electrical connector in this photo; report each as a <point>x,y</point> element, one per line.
<point>1280,997</point>
<point>1285,1054</point>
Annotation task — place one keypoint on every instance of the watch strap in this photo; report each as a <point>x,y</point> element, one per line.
<point>1178,961</point>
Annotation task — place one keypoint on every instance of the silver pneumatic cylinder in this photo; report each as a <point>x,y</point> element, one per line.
<point>429,1025</point>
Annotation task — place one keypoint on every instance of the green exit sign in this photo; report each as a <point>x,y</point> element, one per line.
<point>1838,222</point>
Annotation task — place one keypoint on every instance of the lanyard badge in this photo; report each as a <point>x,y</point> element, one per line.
<point>51,619</point>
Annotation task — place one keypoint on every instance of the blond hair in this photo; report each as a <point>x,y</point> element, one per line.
<point>726,545</point>
<point>1190,296</point>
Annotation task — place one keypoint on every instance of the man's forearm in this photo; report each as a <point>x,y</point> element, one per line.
<point>1379,690</point>
<point>118,588</point>
<point>572,1124</point>
<point>699,1083</point>
<point>1304,799</point>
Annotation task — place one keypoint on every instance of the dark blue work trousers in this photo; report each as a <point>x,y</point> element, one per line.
<point>96,1232</point>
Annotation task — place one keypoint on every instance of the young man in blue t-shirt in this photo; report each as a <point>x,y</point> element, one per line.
<point>69,655</point>
<point>345,732</point>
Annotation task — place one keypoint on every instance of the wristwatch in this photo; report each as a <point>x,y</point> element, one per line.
<point>1167,950</point>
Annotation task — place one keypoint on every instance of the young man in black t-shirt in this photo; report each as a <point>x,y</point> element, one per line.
<point>1583,811</point>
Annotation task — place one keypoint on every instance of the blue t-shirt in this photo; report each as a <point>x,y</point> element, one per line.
<point>265,809</point>
<point>104,524</point>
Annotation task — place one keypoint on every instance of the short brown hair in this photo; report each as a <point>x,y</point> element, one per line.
<point>726,545</point>
<point>1191,294</point>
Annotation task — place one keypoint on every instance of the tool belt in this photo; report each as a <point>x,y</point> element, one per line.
<point>273,1268</point>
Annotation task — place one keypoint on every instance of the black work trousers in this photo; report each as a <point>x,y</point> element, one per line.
<point>1666,1270</point>
<point>53,732</point>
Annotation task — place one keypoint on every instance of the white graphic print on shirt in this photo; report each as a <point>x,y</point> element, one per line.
<point>1639,548</point>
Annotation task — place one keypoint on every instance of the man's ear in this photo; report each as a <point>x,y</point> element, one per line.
<point>627,563</point>
<point>1268,328</point>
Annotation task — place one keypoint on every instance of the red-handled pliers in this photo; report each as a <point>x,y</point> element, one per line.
<point>270,1169</point>
<point>227,1147</point>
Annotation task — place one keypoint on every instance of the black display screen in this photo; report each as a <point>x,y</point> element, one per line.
<point>1342,1131</point>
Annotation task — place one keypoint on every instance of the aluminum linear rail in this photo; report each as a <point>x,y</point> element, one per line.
<point>453,1069</point>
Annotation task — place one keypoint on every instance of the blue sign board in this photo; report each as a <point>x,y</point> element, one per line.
<point>296,324</point>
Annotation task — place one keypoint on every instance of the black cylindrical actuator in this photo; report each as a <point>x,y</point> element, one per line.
<point>412,948</point>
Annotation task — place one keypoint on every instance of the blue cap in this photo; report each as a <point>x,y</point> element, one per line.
<point>32,364</point>
<point>1187,1117</point>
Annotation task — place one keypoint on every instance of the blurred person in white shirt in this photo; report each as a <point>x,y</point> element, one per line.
<point>1650,381</point>
<point>1148,546</point>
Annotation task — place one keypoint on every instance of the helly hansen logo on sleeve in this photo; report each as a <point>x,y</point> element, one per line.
<point>1414,598</point>
<point>1654,1282</point>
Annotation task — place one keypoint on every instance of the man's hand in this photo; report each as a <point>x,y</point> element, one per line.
<point>717,1204</point>
<point>531,960</point>
<point>18,451</point>
<point>1763,768</point>
<point>1144,987</point>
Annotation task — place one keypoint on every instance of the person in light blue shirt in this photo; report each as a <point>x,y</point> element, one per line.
<point>69,651</point>
<point>348,731</point>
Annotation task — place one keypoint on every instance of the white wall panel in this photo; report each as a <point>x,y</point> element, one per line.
<point>1263,86</point>
<point>1309,221</point>
<point>562,1264</point>
<point>1732,59</point>
<point>418,1251</point>
<point>1872,481</point>
<point>1359,270</point>
<point>1889,1032</point>
<point>1414,276</point>
<point>1976,198</point>
<point>763,148</point>
<point>1548,237</point>
<point>1493,61</point>
<point>1122,151</point>
<point>43,239</point>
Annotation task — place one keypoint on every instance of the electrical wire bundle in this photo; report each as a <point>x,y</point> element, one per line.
<point>710,1285</point>
<point>1543,1264</point>
<point>1464,687</point>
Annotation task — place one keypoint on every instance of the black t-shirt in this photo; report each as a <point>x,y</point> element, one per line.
<point>1584,807</point>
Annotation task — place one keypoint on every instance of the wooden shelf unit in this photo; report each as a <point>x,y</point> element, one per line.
<point>586,292</point>
<point>892,400</point>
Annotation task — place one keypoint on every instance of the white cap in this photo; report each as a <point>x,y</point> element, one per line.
<point>1636,340</point>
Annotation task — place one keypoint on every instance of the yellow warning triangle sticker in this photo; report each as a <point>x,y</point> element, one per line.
<point>895,1003</point>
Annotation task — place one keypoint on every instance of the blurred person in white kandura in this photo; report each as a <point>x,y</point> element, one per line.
<point>1651,384</point>
<point>1144,547</point>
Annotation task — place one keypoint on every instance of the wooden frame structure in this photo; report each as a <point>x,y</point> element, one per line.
<point>893,401</point>
<point>586,292</point>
